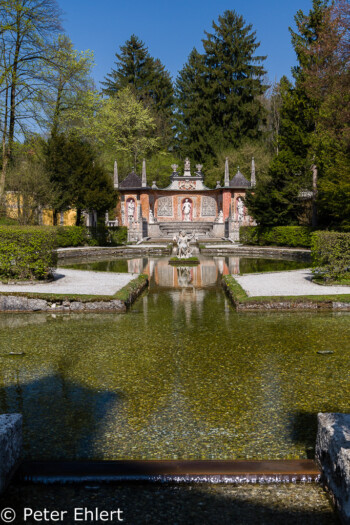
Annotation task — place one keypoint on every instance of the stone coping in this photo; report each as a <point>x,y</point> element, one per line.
<point>333,457</point>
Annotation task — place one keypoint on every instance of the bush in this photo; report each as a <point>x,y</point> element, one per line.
<point>71,236</point>
<point>293,236</point>
<point>331,255</point>
<point>27,252</point>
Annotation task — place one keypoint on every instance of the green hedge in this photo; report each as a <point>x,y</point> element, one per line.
<point>331,255</point>
<point>27,252</point>
<point>70,236</point>
<point>293,236</point>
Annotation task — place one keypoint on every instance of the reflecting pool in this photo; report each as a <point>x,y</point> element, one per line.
<point>181,375</point>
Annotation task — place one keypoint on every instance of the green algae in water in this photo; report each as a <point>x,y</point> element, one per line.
<point>184,377</point>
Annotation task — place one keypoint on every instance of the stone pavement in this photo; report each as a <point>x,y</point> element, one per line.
<point>296,282</point>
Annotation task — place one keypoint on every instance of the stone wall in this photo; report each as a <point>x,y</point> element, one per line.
<point>333,457</point>
<point>10,446</point>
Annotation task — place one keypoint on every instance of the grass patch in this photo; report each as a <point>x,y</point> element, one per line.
<point>238,295</point>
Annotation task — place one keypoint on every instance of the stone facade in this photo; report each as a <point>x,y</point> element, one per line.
<point>186,202</point>
<point>333,457</point>
<point>10,446</point>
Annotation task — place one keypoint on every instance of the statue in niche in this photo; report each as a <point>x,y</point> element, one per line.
<point>183,244</point>
<point>240,209</point>
<point>151,217</point>
<point>131,210</point>
<point>220,218</point>
<point>186,210</point>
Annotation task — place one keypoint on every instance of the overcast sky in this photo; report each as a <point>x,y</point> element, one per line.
<point>172,29</point>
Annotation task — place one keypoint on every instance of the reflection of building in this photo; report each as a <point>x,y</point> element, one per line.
<point>205,274</point>
<point>185,204</point>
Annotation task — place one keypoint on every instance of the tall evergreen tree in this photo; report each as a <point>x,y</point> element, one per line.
<point>147,76</point>
<point>290,170</point>
<point>77,180</point>
<point>222,89</point>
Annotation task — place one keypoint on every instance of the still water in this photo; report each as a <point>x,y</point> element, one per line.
<point>181,375</point>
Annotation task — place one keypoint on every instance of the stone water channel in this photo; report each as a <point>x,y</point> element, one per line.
<point>182,375</point>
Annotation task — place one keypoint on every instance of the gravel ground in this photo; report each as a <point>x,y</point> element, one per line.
<point>292,504</point>
<point>76,282</point>
<point>296,282</point>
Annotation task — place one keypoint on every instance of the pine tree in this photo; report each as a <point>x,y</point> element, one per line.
<point>221,89</point>
<point>147,76</point>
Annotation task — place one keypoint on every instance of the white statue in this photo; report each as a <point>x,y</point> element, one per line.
<point>151,217</point>
<point>187,165</point>
<point>183,244</point>
<point>186,208</point>
<point>240,209</point>
<point>221,217</point>
<point>131,210</point>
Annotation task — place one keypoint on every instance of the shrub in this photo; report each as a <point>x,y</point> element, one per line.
<point>71,236</point>
<point>331,255</point>
<point>27,252</point>
<point>84,236</point>
<point>293,236</point>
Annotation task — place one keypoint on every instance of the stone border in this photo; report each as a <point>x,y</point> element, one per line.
<point>100,251</point>
<point>244,303</point>
<point>296,254</point>
<point>10,446</point>
<point>333,457</point>
<point>38,303</point>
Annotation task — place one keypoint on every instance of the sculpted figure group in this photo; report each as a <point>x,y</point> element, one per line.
<point>183,240</point>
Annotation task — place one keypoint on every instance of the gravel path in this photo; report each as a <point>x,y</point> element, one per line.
<point>80,282</point>
<point>296,282</point>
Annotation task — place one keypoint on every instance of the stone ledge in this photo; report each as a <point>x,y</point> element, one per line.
<point>333,457</point>
<point>10,446</point>
<point>117,303</point>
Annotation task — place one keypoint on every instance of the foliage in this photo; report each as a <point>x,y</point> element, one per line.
<point>218,92</point>
<point>70,92</point>
<point>27,30</point>
<point>290,173</point>
<point>76,178</point>
<point>149,82</point>
<point>327,80</point>
<point>71,236</point>
<point>240,157</point>
<point>124,125</point>
<point>331,255</point>
<point>293,236</point>
<point>28,183</point>
<point>27,253</point>
<point>146,75</point>
<point>83,236</point>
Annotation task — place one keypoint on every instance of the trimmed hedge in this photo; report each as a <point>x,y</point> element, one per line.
<point>330,253</point>
<point>71,236</point>
<point>27,252</point>
<point>293,236</point>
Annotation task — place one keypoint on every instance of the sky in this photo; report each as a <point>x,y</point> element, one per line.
<point>171,29</point>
